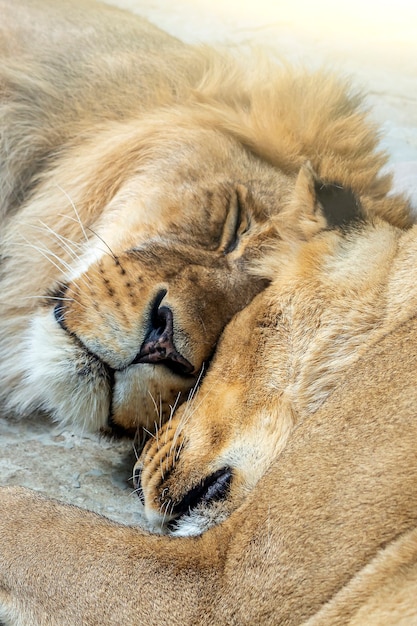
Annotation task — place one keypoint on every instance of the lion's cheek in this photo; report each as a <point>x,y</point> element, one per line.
<point>63,379</point>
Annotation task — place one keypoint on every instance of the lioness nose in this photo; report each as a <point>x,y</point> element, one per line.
<point>212,488</point>
<point>158,345</point>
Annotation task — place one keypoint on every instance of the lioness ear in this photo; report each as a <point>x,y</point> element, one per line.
<point>318,205</point>
<point>304,211</point>
<point>339,204</point>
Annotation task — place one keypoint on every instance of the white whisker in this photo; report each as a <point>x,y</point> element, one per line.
<point>45,254</point>
<point>74,208</point>
<point>47,298</point>
<point>65,243</point>
<point>149,433</point>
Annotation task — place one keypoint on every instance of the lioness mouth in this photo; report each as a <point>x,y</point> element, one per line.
<point>212,488</point>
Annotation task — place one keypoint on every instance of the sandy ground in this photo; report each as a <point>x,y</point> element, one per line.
<point>377,45</point>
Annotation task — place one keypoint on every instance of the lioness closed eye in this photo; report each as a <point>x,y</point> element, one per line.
<point>331,298</point>
<point>139,179</point>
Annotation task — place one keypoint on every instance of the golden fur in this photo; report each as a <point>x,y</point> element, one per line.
<point>330,300</point>
<point>140,179</point>
<point>301,439</point>
<point>328,535</point>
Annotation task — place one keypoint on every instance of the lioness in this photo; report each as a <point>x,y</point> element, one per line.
<point>330,300</point>
<point>139,180</point>
<point>329,533</point>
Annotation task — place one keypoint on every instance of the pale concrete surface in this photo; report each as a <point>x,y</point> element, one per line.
<point>377,45</point>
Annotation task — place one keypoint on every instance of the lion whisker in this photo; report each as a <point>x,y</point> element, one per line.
<point>45,252</point>
<point>66,244</point>
<point>114,257</point>
<point>47,298</point>
<point>75,210</point>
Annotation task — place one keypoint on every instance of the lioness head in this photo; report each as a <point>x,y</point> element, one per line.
<point>277,361</point>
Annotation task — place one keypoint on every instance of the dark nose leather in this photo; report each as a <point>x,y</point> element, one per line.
<point>212,488</point>
<point>158,345</point>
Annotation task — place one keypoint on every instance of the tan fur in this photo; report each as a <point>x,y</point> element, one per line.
<point>132,164</point>
<point>319,525</point>
<point>328,535</point>
<point>310,399</point>
<point>330,300</point>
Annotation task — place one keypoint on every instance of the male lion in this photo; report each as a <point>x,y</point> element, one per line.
<point>139,180</point>
<point>328,535</point>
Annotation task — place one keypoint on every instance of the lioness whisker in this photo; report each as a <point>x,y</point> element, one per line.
<point>137,491</point>
<point>148,432</point>
<point>157,411</point>
<point>195,387</point>
<point>165,504</point>
<point>189,410</point>
<point>171,414</point>
<point>158,447</point>
<point>160,411</point>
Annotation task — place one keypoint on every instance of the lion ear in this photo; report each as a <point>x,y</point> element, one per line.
<point>318,205</point>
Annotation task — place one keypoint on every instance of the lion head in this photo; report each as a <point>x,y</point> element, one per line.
<point>128,306</point>
<point>331,296</point>
<point>140,181</point>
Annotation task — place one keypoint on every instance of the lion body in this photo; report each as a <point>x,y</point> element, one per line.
<point>138,172</point>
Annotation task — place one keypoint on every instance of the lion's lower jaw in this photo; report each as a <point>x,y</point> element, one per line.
<point>46,375</point>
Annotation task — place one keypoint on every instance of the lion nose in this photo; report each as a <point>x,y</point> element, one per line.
<point>158,345</point>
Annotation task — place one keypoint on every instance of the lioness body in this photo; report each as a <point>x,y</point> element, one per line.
<point>138,182</point>
<point>328,535</point>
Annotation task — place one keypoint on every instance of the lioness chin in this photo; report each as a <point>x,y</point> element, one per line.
<point>140,179</point>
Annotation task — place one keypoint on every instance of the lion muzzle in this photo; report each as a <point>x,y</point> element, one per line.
<point>158,346</point>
